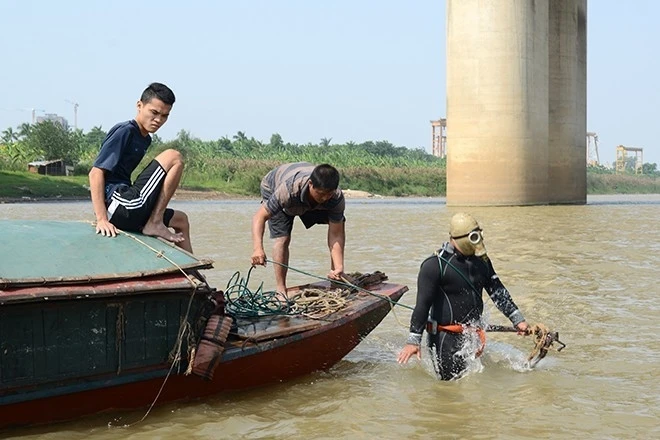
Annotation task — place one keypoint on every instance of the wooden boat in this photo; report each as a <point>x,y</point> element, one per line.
<point>90,324</point>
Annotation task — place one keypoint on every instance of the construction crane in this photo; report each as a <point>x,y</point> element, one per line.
<point>592,153</point>
<point>75,113</point>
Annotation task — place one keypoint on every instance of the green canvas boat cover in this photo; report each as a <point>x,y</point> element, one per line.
<point>45,252</point>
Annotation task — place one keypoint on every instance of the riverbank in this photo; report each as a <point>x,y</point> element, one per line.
<point>18,187</point>
<point>181,194</point>
<point>191,195</point>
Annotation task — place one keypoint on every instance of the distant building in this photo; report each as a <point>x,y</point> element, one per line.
<point>48,167</point>
<point>439,137</point>
<point>54,118</point>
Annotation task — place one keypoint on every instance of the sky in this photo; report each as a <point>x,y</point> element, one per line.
<point>349,70</point>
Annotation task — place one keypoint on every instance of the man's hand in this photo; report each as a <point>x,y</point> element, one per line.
<point>407,352</point>
<point>336,275</point>
<point>259,258</point>
<point>258,226</point>
<point>523,328</point>
<point>105,228</point>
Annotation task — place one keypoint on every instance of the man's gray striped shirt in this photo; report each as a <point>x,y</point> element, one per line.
<point>285,189</point>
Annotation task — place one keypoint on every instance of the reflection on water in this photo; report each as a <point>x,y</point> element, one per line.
<point>589,272</point>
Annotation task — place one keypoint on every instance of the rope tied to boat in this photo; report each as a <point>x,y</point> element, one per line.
<point>160,254</point>
<point>319,303</point>
<point>119,334</point>
<point>184,327</point>
<point>312,302</point>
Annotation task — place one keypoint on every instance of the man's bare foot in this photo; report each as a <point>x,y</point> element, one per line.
<point>160,230</point>
<point>282,297</point>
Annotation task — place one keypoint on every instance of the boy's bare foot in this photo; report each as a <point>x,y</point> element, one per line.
<point>160,230</point>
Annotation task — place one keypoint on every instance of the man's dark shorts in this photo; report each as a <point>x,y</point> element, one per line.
<point>281,224</point>
<point>129,207</point>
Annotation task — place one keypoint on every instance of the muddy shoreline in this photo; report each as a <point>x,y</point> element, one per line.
<point>181,195</point>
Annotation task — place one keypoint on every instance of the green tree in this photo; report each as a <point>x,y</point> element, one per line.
<point>89,143</point>
<point>24,130</point>
<point>650,168</point>
<point>9,136</point>
<point>630,164</point>
<point>53,141</point>
<point>276,142</point>
<point>78,139</point>
<point>242,145</point>
<point>94,137</point>
<point>240,136</point>
<point>223,146</point>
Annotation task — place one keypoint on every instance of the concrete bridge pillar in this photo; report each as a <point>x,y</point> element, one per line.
<point>516,102</point>
<point>567,160</point>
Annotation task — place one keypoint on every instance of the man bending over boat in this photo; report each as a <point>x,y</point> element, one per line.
<point>449,304</point>
<point>299,190</point>
<point>142,205</point>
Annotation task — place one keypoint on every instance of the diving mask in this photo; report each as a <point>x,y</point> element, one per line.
<point>467,234</point>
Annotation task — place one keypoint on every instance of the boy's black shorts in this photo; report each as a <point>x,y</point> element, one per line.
<point>129,207</point>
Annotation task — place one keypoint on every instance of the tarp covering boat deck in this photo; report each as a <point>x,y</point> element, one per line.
<point>45,252</point>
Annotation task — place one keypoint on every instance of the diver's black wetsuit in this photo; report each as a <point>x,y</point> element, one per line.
<point>449,286</point>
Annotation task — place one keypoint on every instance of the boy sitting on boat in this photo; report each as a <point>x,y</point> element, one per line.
<point>139,206</point>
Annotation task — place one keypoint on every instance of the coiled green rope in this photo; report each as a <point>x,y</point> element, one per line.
<point>242,302</point>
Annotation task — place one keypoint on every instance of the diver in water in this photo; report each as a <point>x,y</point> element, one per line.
<point>449,299</point>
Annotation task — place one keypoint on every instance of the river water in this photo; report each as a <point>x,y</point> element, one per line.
<point>589,272</point>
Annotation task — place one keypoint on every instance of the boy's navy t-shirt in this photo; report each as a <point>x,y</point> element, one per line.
<point>121,151</point>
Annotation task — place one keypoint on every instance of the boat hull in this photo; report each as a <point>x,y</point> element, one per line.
<point>242,367</point>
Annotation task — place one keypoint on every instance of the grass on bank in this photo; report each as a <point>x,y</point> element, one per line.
<point>622,184</point>
<point>22,184</point>
<point>242,178</point>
